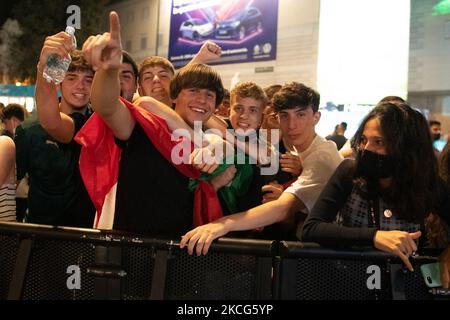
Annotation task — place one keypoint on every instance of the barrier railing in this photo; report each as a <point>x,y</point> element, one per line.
<point>311,272</point>
<point>44,262</point>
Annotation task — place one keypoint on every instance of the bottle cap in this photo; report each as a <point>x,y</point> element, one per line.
<point>70,30</point>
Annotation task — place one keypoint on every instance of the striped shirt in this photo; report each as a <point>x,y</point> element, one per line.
<point>8,202</point>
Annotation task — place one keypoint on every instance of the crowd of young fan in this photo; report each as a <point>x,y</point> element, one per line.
<point>102,156</point>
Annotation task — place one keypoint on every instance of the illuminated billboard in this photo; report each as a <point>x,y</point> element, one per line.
<point>245,29</point>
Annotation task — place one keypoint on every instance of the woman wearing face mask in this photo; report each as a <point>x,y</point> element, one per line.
<point>384,196</point>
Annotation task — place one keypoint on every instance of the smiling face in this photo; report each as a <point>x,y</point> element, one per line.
<point>196,90</point>
<point>154,81</point>
<point>246,113</point>
<point>76,89</point>
<point>195,104</point>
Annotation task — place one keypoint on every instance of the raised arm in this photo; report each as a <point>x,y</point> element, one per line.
<point>57,124</point>
<point>205,147</point>
<point>104,53</point>
<point>208,52</point>
<point>173,119</point>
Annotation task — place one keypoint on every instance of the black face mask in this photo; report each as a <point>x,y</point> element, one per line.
<point>375,166</point>
<point>436,136</point>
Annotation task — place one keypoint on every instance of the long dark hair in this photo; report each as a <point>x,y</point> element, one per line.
<point>414,188</point>
<point>444,164</point>
<point>438,234</point>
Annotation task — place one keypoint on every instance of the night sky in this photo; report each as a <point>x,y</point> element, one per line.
<point>6,7</point>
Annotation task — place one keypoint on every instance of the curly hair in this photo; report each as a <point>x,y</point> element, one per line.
<point>414,190</point>
<point>249,90</point>
<point>78,62</point>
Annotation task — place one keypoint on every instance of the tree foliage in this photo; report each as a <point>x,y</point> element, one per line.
<point>9,33</point>
<point>41,19</point>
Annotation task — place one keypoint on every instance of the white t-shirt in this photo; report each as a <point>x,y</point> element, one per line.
<point>319,162</point>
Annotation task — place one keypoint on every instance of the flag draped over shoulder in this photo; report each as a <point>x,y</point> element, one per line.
<point>100,157</point>
<point>238,187</point>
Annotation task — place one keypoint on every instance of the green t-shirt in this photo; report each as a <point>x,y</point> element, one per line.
<point>57,195</point>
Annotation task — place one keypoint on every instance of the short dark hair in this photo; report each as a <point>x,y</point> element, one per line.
<point>434,123</point>
<point>296,95</point>
<point>13,110</point>
<point>271,90</point>
<point>156,61</point>
<point>344,125</point>
<point>226,94</point>
<point>392,99</point>
<point>197,76</point>
<point>126,58</point>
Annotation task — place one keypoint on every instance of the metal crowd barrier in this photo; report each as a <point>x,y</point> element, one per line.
<point>310,272</point>
<point>44,262</point>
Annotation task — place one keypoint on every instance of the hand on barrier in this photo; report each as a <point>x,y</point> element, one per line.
<point>105,51</point>
<point>444,260</point>
<point>397,242</point>
<point>202,237</point>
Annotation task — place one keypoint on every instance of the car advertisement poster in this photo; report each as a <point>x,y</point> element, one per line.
<point>246,30</point>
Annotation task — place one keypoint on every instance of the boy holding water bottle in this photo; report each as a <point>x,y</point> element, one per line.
<point>46,150</point>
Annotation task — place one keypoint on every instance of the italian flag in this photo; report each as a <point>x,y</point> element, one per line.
<point>99,166</point>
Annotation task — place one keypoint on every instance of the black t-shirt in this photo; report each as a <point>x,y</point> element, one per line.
<point>57,195</point>
<point>152,195</point>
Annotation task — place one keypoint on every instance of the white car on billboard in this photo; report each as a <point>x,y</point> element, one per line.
<point>196,29</point>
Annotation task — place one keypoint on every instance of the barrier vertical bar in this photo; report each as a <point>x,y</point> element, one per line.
<point>20,270</point>
<point>159,275</point>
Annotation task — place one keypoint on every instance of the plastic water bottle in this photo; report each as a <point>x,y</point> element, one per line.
<point>56,66</point>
